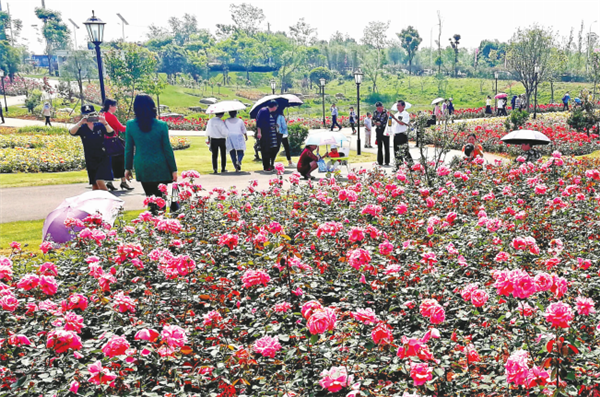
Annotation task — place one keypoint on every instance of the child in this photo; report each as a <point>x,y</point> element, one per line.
<point>333,154</point>
<point>368,127</point>
<point>307,162</point>
<point>352,120</point>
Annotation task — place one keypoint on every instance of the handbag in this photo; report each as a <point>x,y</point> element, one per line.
<point>114,145</point>
<point>175,206</point>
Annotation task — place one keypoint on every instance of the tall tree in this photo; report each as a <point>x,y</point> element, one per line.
<point>375,37</point>
<point>410,41</point>
<point>438,60</point>
<point>55,31</point>
<point>527,49</point>
<point>454,45</point>
<point>183,29</point>
<point>247,18</point>
<point>302,33</point>
<point>79,66</point>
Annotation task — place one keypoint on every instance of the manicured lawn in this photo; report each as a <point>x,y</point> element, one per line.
<point>197,157</point>
<point>29,233</point>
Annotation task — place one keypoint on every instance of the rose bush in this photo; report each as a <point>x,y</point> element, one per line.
<point>489,131</point>
<point>490,290</point>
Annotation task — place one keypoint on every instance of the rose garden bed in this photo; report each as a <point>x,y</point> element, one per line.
<point>483,283</point>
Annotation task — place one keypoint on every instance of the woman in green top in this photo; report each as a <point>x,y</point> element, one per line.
<point>153,161</point>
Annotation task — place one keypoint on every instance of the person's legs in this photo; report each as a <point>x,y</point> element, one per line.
<point>338,124</point>
<point>313,166</point>
<point>240,156</point>
<point>48,121</point>
<point>286,146</point>
<point>256,150</point>
<point>379,136</point>
<point>386,148</point>
<point>266,158</point>
<point>2,115</point>
<point>234,160</point>
<point>223,149</point>
<point>274,152</point>
<point>397,154</point>
<point>214,151</point>
<point>333,122</point>
<point>367,138</point>
<point>99,185</point>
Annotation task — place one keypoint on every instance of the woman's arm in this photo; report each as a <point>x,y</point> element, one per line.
<point>75,128</point>
<point>168,152</point>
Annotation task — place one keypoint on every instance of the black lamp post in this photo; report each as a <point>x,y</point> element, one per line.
<point>536,70</point>
<point>358,75</point>
<point>95,28</point>
<point>496,99</point>
<point>273,86</point>
<point>322,81</point>
<point>3,90</point>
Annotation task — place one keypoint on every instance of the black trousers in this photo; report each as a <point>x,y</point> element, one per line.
<point>47,121</point>
<point>334,123</point>
<point>286,145</point>
<point>269,154</point>
<point>565,105</point>
<point>216,145</point>
<point>401,151</point>
<point>118,166</point>
<point>383,144</point>
<point>2,115</point>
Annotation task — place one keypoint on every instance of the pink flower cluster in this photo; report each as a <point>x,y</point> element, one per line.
<point>431,309</point>
<point>519,373</point>
<point>335,379</point>
<point>267,346</point>
<point>521,285</point>
<point>251,278</point>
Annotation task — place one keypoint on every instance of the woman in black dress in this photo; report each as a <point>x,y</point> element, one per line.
<point>92,129</point>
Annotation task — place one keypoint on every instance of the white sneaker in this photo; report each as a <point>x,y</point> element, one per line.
<point>291,164</point>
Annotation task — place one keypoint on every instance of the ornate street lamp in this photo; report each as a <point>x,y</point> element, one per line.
<point>273,85</point>
<point>358,75</point>
<point>322,81</point>
<point>3,90</point>
<point>536,70</point>
<point>496,99</point>
<point>95,28</point>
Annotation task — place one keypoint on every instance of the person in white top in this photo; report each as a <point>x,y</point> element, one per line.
<point>216,131</point>
<point>400,124</point>
<point>236,139</point>
<point>368,128</point>
<point>488,106</point>
<point>47,113</point>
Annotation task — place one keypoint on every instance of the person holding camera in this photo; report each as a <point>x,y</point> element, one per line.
<point>92,130</point>
<point>380,119</point>
<point>472,149</point>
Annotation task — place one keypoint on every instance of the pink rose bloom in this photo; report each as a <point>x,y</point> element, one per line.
<point>438,315</point>
<point>335,379</point>
<point>543,282</point>
<point>116,346</point>
<point>61,340</point>
<point>386,248</point>
<point>420,372</point>
<point>526,310</point>
<point>559,314</point>
<point>174,336</point>
<point>356,234</point>
<point>503,283</point>
<point>73,322</point>
<point>427,306</point>
<point>468,291</point>
<point>472,354</point>
<point>523,284</point>
<point>45,247</point>
<point>537,377</point>
<point>100,375</point>
<point>358,258</point>
<point>48,269</point>
<point>585,306</point>
<point>28,282</point>
<point>401,209</point>
<point>502,257</point>
<point>365,316</point>
<point>251,278</point>
<point>18,340</point>
<point>267,346</point>
<point>516,367</point>
<point>48,285</point>
<point>322,321</point>
<point>212,318</point>
<point>229,240</point>
<point>479,297</point>
<point>74,387</point>
<point>371,209</point>
<point>282,307</point>
<point>123,303</point>
<point>559,286</point>
<point>309,307</point>
<point>382,334</point>
<point>147,334</point>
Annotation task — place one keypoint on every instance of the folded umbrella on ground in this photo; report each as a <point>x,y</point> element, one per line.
<point>80,207</point>
<point>530,137</point>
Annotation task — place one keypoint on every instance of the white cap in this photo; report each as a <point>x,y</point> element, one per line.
<point>334,146</point>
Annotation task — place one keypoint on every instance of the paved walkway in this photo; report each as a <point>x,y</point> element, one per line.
<point>32,203</point>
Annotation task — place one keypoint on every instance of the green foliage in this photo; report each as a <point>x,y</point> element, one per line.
<point>41,130</point>
<point>410,41</point>
<point>516,120</point>
<point>34,99</point>
<point>584,117</point>
<point>297,134</point>
<point>54,30</point>
<point>320,73</point>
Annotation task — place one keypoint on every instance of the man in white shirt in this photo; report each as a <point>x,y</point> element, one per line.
<point>400,124</point>
<point>216,131</point>
<point>334,116</point>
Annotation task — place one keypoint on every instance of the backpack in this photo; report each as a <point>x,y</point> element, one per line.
<point>564,99</point>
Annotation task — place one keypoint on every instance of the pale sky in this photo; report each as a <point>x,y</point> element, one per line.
<point>474,20</point>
